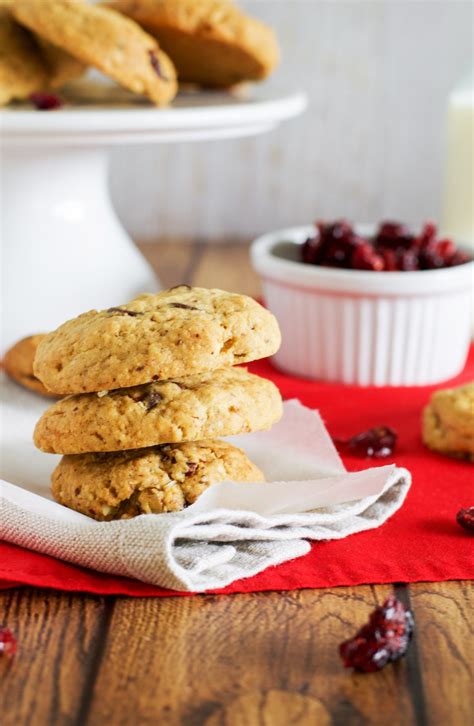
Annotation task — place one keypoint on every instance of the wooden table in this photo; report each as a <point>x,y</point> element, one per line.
<point>267,659</point>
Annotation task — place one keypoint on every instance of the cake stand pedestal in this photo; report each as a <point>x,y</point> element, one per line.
<point>64,250</point>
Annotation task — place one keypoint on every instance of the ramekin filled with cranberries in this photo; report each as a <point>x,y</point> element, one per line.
<point>368,305</point>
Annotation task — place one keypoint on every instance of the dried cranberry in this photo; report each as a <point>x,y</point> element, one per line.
<point>338,253</point>
<point>430,259</point>
<point>310,250</point>
<point>384,638</point>
<point>377,442</point>
<point>393,235</point>
<point>151,399</point>
<point>155,64</point>
<point>407,260</point>
<point>7,641</point>
<point>390,260</point>
<point>123,311</point>
<point>459,258</point>
<point>182,306</point>
<point>465,517</point>
<point>365,258</point>
<point>394,248</point>
<point>426,236</point>
<point>446,249</point>
<point>339,230</point>
<point>46,101</point>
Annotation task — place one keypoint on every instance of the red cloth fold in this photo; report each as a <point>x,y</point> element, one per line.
<point>421,542</point>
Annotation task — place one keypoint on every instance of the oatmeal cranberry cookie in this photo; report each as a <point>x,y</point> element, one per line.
<point>147,481</point>
<point>448,422</point>
<point>22,68</point>
<point>107,40</point>
<point>174,334</point>
<point>211,42</point>
<point>18,364</point>
<point>222,403</point>
<point>62,66</point>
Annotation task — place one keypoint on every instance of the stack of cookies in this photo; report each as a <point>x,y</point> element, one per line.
<point>150,386</point>
<point>144,45</point>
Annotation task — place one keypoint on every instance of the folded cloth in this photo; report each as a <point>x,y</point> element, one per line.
<point>234,530</point>
<point>192,551</point>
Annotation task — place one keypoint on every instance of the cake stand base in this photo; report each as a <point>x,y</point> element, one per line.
<point>66,251</point>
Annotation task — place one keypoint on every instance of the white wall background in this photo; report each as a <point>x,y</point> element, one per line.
<point>371,144</point>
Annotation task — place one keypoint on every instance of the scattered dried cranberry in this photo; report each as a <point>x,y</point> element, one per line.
<point>46,101</point>
<point>384,638</point>
<point>393,248</point>
<point>378,442</point>
<point>155,63</point>
<point>7,641</point>
<point>465,517</point>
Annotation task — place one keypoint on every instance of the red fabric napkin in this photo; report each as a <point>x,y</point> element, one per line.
<point>421,542</point>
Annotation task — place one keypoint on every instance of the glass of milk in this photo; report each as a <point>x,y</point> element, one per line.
<point>458,203</point>
<point>458,208</point>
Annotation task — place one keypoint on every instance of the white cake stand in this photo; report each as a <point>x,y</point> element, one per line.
<point>63,248</point>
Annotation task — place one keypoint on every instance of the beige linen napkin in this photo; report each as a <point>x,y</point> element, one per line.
<point>233,531</point>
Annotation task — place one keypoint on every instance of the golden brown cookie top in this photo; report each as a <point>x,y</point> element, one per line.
<point>105,39</point>
<point>173,334</point>
<point>148,481</point>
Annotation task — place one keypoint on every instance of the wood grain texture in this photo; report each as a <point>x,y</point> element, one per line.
<point>267,659</point>
<point>258,658</point>
<point>444,615</point>
<point>58,640</point>
<point>228,267</point>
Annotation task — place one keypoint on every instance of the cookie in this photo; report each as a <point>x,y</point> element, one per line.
<point>62,67</point>
<point>448,422</point>
<point>222,403</point>
<point>18,364</point>
<point>211,42</point>
<point>107,40</point>
<point>22,68</point>
<point>174,334</point>
<point>147,481</point>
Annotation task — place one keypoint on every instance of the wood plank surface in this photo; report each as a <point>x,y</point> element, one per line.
<point>444,614</point>
<point>268,659</point>
<point>218,659</point>
<point>228,267</point>
<point>58,639</point>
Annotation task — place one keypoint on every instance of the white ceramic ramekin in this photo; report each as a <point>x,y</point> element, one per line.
<point>367,328</point>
